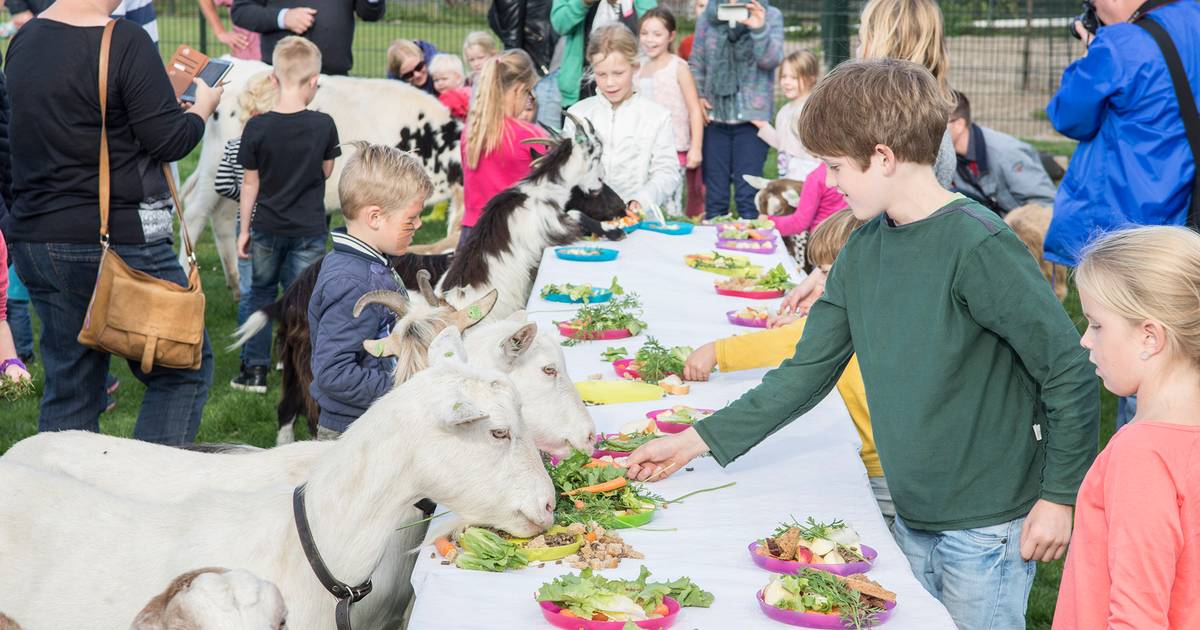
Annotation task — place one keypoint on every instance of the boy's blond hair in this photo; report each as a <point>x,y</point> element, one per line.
<point>383,176</point>
<point>400,50</point>
<point>907,29</point>
<point>444,62</point>
<point>295,60</point>
<point>1149,273</point>
<point>830,237</point>
<point>257,97</point>
<point>861,104</point>
<point>612,39</point>
<point>804,65</point>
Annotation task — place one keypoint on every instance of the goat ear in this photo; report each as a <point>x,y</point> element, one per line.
<point>520,342</point>
<point>154,615</point>
<point>462,413</point>
<point>474,312</point>
<point>757,182</point>
<point>792,197</point>
<point>447,347</point>
<point>380,347</point>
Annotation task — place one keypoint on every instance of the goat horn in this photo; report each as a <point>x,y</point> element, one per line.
<point>427,289</point>
<point>474,312</point>
<point>580,130</point>
<point>394,300</point>
<point>591,127</point>
<point>550,142</point>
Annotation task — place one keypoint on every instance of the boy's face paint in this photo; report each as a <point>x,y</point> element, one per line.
<point>398,227</point>
<point>1114,346</point>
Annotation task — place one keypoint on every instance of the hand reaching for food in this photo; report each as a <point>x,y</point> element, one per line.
<point>700,363</point>
<point>659,459</point>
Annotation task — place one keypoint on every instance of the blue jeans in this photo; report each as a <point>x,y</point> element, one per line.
<point>275,260</point>
<point>245,274</point>
<point>549,102</point>
<point>60,277</point>
<point>978,574</point>
<point>1126,409</point>
<point>731,151</point>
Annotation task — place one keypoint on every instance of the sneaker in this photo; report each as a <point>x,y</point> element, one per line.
<point>252,379</point>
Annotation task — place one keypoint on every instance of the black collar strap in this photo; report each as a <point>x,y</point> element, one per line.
<point>345,594</point>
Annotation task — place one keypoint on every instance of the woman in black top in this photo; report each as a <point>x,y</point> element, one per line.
<point>54,221</point>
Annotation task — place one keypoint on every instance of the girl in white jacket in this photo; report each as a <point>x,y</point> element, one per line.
<point>640,162</point>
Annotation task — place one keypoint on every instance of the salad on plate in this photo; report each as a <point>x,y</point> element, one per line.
<point>591,597</point>
<point>856,600</point>
<point>812,542</point>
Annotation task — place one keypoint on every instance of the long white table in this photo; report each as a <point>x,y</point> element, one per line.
<point>809,468</point>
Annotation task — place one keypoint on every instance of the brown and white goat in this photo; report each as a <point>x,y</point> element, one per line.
<point>1030,223</point>
<point>214,599</point>
<point>777,198</point>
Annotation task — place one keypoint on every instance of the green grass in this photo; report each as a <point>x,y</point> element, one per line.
<point>232,416</point>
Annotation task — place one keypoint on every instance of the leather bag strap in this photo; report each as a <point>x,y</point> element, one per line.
<point>105,190</point>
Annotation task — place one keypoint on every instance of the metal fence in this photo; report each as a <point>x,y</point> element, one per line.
<point>1006,55</point>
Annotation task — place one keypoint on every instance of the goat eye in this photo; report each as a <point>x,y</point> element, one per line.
<point>550,370</point>
<point>500,434</point>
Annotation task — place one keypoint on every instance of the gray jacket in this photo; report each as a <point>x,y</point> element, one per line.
<point>1002,172</point>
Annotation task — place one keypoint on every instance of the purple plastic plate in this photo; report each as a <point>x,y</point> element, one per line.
<point>559,620</point>
<point>813,620</point>
<point>763,235</point>
<point>726,244</point>
<point>743,321</point>
<point>790,567</point>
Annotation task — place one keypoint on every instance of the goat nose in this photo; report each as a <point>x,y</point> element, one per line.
<point>549,507</point>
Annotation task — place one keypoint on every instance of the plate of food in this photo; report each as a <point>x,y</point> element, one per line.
<point>749,316</point>
<point>736,234</point>
<point>588,601</point>
<point>773,284</point>
<point>738,223</point>
<point>574,329</point>
<point>634,517</point>
<point>670,228</point>
<point>818,599</point>
<point>620,444</point>
<point>586,254</point>
<point>833,547</point>
<point>651,363</point>
<point>678,418</point>
<point>723,264</point>
<point>616,319</point>
<point>588,492</point>
<point>488,549</point>
<point>575,294</point>
<point>752,247</point>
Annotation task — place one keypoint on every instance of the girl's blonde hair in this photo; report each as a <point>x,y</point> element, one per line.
<point>257,97</point>
<point>804,65</point>
<point>483,40</point>
<point>910,30</point>
<point>485,120</point>
<point>830,237</point>
<point>612,39</point>
<point>1149,273</point>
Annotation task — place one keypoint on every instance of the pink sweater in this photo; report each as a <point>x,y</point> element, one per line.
<point>3,280</point>
<point>817,202</point>
<point>1134,560</point>
<point>497,170</point>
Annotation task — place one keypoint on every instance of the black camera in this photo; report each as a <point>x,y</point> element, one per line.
<point>1088,20</point>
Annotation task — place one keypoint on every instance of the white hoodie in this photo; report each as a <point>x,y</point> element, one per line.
<point>640,162</point>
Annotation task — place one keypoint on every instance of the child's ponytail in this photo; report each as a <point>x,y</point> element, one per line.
<point>485,121</point>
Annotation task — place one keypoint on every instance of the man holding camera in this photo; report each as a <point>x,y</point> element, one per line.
<point>1134,163</point>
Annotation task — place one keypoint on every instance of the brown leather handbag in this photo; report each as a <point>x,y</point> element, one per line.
<point>133,314</point>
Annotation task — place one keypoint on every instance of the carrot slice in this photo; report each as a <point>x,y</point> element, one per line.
<point>661,610</point>
<point>607,486</point>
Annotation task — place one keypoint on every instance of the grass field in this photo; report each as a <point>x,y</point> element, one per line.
<point>232,416</point>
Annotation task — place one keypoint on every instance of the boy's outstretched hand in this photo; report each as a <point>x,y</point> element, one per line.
<point>659,459</point>
<point>1046,532</point>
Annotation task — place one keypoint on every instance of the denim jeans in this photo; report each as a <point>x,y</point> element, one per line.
<point>549,101</point>
<point>731,151</point>
<point>978,574</point>
<point>275,260</point>
<point>245,275</point>
<point>1126,409</point>
<point>60,277</point>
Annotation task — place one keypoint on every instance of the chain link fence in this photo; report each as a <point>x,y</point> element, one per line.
<point>1006,55</point>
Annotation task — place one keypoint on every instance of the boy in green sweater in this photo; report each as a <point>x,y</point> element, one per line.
<point>984,407</point>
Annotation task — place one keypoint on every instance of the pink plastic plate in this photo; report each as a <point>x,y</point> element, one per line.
<point>766,247</point>
<point>601,453</point>
<point>551,612</point>
<point>570,331</point>
<point>753,295</point>
<point>621,367</point>
<point>812,620</point>
<point>742,321</point>
<point>672,427</point>
<point>790,567</point>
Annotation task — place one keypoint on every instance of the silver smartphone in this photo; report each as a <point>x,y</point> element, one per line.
<point>732,12</point>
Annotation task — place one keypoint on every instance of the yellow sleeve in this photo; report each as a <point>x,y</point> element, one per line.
<point>761,349</point>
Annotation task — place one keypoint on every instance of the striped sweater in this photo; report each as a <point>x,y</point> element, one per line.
<point>229,173</point>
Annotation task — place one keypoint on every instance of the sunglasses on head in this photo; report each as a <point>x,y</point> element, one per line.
<point>407,76</point>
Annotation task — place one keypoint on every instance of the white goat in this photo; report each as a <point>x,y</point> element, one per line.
<point>380,111</point>
<point>451,433</point>
<point>215,599</point>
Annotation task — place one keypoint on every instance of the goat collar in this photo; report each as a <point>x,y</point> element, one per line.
<point>346,595</point>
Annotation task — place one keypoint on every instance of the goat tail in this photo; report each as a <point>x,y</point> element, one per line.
<point>257,321</point>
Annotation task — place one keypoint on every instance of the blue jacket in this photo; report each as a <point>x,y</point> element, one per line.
<point>1133,163</point>
<point>346,379</point>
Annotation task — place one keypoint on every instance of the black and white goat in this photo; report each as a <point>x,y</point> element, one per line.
<point>517,225</point>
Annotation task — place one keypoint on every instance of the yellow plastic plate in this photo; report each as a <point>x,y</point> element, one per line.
<point>614,392</point>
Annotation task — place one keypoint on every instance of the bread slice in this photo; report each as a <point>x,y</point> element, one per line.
<point>868,587</point>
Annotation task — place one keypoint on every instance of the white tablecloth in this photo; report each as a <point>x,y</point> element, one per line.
<point>809,468</point>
